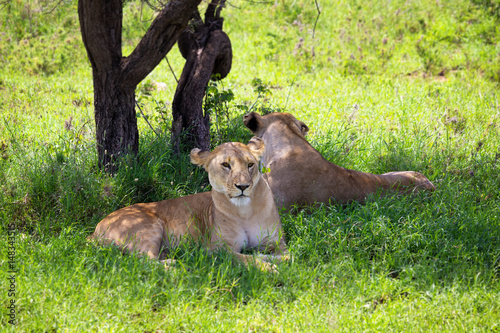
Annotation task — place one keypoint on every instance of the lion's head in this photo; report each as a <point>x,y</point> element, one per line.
<point>233,168</point>
<point>259,124</point>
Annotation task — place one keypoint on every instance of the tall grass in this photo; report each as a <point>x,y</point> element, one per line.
<point>384,86</point>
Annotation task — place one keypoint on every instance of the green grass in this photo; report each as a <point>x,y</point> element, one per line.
<point>384,86</point>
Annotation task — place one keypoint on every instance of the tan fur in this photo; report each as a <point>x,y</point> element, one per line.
<point>238,213</point>
<point>299,175</point>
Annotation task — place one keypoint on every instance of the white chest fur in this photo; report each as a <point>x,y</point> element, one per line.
<point>257,235</point>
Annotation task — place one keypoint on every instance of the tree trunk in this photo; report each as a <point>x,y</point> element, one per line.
<point>115,119</point>
<point>207,51</point>
<point>115,77</point>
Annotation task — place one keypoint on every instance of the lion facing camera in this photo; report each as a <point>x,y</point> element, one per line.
<point>239,213</point>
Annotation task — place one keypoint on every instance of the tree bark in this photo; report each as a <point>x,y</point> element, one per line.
<point>207,51</point>
<point>115,77</point>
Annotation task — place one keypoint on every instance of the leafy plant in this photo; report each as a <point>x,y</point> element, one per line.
<point>216,103</point>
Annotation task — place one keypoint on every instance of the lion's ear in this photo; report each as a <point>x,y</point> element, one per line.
<point>303,128</point>
<point>199,157</point>
<point>252,121</point>
<point>257,147</point>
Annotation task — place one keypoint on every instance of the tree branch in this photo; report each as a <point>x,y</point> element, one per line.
<point>317,18</point>
<point>158,40</point>
<point>213,11</point>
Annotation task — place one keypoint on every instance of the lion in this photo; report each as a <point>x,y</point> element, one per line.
<point>239,213</point>
<point>300,176</point>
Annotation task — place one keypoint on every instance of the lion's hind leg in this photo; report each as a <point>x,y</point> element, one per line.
<point>148,241</point>
<point>143,238</point>
<point>408,181</point>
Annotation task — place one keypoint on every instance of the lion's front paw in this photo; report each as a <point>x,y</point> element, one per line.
<point>168,264</point>
<point>266,266</point>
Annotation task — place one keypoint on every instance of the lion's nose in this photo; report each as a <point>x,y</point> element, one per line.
<point>242,187</point>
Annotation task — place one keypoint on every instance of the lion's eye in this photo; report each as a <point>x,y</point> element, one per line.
<point>226,165</point>
<point>250,165</point>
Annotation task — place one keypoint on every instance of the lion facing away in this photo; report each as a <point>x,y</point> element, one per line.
<point>239,213</point>
<point>299,175</point>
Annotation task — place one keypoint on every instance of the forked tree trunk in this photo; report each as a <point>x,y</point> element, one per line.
<point>207,51</point>
<point>115,77</point>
